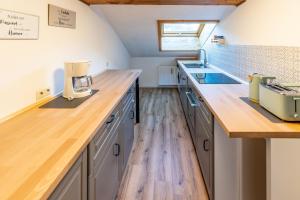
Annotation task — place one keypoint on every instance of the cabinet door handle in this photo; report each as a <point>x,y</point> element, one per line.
<point>200,99</point>
<point>172,70</point>
<point>206,145</point>
<point>117,150</point>
<point>112,118</point>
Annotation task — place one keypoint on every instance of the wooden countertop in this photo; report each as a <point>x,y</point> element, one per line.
<point>238,116</point>
<point>38,147</point>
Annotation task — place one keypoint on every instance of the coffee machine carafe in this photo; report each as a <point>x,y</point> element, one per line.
<point>77,82</point>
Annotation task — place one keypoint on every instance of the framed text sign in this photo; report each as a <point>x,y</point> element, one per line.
<point>18,26</point>
<point>61,17</point>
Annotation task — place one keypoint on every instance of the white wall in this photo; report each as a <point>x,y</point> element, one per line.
<point>29,65</point>
<point>263,22</point>
<point>149,65</point>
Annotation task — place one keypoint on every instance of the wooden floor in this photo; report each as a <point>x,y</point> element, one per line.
<point>163,163</point>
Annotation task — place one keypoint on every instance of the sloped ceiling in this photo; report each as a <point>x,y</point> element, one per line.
<point>136,25</point>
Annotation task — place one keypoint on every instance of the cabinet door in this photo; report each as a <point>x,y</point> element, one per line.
<point>126,137</point>
<point>128,133</point>
<point>204,147</point>
<point>74,184</point>
<point>105,182</point>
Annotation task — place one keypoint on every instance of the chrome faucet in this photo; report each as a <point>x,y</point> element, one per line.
<point>205,57</point>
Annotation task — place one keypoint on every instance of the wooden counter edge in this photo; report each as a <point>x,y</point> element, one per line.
<point>48,190</point>
<point>239,134</point>
<point>65,170</point>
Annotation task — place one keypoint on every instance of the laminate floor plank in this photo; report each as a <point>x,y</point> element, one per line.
<point>163,163</point>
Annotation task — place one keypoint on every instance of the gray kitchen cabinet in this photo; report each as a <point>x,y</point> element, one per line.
<point>104,155</point>
<point>74,184</point>
<point>97,174</point>
<point>126,135</point>
<point>104,181</point>
<point>200,123</point>
<point>128,131</point>
<point>204,144</point>
<point>110,149</point>
<point>182,88</point>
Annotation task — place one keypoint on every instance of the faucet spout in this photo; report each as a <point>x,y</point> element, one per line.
<point>205,57</point>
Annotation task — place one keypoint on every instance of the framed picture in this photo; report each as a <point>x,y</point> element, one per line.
<point>61,17</point>
<point>18,26</point>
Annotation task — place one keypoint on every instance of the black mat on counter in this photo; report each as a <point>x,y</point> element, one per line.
<point>262,111</point>
<point>61,102</point>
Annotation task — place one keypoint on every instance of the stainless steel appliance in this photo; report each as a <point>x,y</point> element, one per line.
<point>192,103</point>
<point>77,83</point>
<point>282,101</point>
<point>214,78</point>
<point>254,81</point>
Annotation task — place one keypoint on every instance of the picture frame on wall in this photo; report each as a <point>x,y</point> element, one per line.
<point>18,26</point>
<point>61,17</point>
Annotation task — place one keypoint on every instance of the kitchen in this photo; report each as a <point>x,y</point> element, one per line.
<point>142,112</point>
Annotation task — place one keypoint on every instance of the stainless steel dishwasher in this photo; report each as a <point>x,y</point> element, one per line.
<point>192,103</point>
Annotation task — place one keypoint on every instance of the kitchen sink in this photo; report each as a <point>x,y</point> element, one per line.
<point>194,65</point>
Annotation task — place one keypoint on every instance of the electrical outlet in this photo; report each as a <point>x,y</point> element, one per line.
<point>40,94</point>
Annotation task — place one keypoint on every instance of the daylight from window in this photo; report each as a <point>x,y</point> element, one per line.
<point>180,28</point>
<point>183,36</point>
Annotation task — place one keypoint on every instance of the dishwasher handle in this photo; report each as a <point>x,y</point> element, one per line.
<point>191,100</point>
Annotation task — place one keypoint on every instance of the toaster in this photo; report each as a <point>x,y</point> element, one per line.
<point>282,101</point>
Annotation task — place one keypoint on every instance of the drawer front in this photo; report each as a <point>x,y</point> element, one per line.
<point>129,101</point>
<point>101,142</point>
<point>114,121</point>
<point>206,116</point>
<point>107,126</point>
<point>128,96</point>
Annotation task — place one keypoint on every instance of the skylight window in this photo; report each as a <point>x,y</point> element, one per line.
<point>181,29</point>
<point>180,35</point>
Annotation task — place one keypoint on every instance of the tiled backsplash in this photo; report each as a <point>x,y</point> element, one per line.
<point>241,60</point>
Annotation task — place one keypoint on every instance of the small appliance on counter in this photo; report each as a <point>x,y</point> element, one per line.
<point>77,81</point>
<point>254,81</point>
<point>281,100</point>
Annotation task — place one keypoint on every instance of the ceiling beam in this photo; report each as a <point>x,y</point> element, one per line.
<point>167,2</point>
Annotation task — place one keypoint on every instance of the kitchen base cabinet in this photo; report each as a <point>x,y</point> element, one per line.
<point>204,144</point>
<point>110,149</point>
<point>98,172</point>
<point>105,156</point>
<point>74,184</point>
<point>104,181</point>
<point>128,132</point>
<point>182,89</point>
